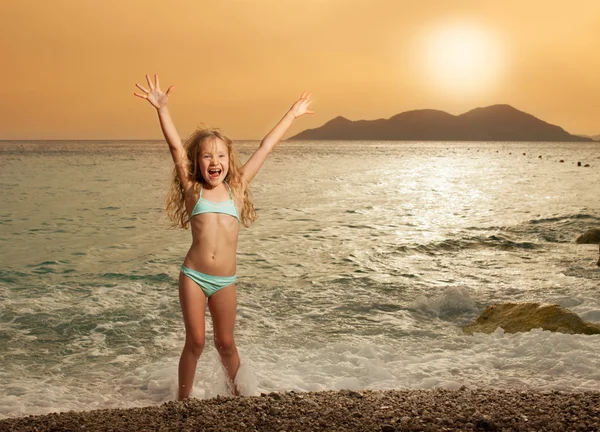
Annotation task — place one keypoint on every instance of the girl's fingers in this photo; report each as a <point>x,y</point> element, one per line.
<point>143,96</point>
<point>303,94</point>
<point>156,81</point>
<point>309,112</point>
<point>149,83</point>
<point>141,88</point>
<point>169,90</point>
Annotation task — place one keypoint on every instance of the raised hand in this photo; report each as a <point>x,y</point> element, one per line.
<point>300,107</point>
<point>155,96</point>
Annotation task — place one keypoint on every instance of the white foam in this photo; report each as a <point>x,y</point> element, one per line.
<point>245,380</point>
<point>452,301</point>
<point>537,359</point>
<point>592,315</point>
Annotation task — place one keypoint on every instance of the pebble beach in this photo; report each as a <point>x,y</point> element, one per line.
<point>346,410</point>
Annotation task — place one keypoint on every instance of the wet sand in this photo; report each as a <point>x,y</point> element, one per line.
<point>346,410</point>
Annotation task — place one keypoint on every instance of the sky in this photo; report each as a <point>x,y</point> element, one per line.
<point>69,67</point>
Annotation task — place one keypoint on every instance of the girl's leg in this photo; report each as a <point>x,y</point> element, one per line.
<point>223,306</point>
<point>193,306</point>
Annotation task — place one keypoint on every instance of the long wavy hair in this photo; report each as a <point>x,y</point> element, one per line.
<point>176,200</point>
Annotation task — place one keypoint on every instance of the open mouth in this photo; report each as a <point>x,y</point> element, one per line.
<point>214,172</point>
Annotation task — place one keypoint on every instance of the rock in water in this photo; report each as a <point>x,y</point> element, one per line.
<point>522,317</point>
<point>589,237</point>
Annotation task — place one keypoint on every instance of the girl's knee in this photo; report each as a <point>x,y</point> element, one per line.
<point>225,345</point>
<point>195,344</point>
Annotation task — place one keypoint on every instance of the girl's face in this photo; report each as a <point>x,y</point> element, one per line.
<point>214,161</point>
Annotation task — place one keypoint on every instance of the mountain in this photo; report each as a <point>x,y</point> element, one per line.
<point>493,123</point>
<point>596,137</point>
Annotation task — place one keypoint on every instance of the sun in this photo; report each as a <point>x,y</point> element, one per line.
<point>461,58</point>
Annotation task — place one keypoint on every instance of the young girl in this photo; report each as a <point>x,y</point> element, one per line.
<point>209,192</point>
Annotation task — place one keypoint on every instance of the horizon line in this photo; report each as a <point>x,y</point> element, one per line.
<point>290,140</point>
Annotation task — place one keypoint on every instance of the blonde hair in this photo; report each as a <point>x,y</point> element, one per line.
<point>176,200</point>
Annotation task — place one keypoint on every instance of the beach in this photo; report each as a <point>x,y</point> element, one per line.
<point>400,211</point>
<point>346,410</point>
<point>352,279</point>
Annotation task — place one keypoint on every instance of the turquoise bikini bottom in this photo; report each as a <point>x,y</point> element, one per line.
<point>208,283</point>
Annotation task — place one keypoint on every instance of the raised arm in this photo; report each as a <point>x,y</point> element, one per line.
<point>299,108</point>
<point>158,100</point>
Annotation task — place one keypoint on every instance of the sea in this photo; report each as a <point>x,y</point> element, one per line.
<point>364,264</point>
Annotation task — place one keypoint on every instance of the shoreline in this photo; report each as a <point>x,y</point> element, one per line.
<point>345,410</point>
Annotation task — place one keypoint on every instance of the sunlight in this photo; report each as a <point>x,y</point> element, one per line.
<point>461,57</point>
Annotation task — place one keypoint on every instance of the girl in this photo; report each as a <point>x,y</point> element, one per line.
<point>209,192</point>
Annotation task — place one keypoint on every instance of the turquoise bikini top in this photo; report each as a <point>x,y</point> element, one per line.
<point>206,206</point>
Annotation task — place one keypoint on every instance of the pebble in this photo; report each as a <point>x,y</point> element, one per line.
<point>392,410</point>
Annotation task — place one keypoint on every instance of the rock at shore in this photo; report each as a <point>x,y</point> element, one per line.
<point>523,317</point>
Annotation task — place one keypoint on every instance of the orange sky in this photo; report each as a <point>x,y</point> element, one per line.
<point>69,66</point>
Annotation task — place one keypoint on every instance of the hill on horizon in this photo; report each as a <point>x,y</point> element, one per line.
<point>493,123</point>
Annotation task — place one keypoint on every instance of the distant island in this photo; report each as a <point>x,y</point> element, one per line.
<point>493,123</point>
<point>592,137</point>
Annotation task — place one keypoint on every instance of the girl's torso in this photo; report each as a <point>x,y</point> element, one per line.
<point>215,228</point>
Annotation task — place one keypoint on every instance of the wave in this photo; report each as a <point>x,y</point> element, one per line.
<point>145,278</point>
<point>576,216</point>
<point>560,229</point>
<point>24,278</point>
<point>530,235</point>
<point>494,241</point>
<point>453,301</point>
<point>11,276</point>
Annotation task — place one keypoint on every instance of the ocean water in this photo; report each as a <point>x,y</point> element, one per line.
<point>366,260</point>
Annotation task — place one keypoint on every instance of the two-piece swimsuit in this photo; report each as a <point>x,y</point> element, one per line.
<point>208,283</point>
